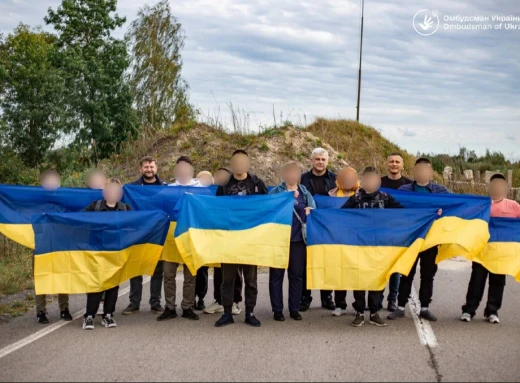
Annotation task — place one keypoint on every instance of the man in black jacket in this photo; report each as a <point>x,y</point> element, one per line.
<point>319,181</point>
<point>149,177</point>
<point>241,183</point>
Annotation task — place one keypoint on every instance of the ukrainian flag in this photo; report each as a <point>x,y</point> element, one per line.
<point>252,230</point>
<point>359,249</point>
<point>501,255</point>
<point>91,252</point>
<point>165,199</point>
<point>19,203</point>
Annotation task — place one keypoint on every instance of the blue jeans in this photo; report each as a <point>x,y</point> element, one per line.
<point>393,287</point>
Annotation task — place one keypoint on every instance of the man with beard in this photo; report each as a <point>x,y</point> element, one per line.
<point>149,177</point>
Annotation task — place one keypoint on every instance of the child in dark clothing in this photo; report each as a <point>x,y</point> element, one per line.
<point>369,197</point>
<point>112,194</point>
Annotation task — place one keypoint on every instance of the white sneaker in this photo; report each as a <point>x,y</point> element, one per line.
<point>236,309</point>
<point>493,319</point>
<point>465,317</point>
<point>214,308</point>
<point>338,312</point>
<point>101,310</point>
<point>88,323</point>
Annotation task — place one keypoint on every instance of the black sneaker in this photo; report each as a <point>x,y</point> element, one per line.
<point>392,306</point>
<point>360,319</point>
<point>427,314</point>
<point>328,304</point>
<point>131,309</point>
<point>167,314</point>
<point>189,314</point>
<point>65,315</point>
<point>200,305</point>
<point>305,303</point>
<point>41,318</point>
<point>397,314</point>
<point>278,316</point>
<point>157,308</point>
<point>88,323</point>
<point>108,321</point>
<point>376,320</point>
<point>296,315</point>
<point>252,321</point>
<point>225,319</point>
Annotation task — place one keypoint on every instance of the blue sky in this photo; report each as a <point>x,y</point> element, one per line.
<point>426,93</point>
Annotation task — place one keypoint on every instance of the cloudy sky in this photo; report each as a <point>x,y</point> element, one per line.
<point>426,93</point>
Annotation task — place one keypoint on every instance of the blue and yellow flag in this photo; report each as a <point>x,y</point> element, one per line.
<point>162,198</point>
<point>249,230</point>
<point>19,203</point>
<point>91,252</point>
<point>501,255</point>
<point>359,249</point>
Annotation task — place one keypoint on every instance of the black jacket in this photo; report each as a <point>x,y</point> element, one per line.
<point>377,200</point>
<point>101,205</point>
<point>260,187</point>
<point>157,182</point>
<point>308,182</point>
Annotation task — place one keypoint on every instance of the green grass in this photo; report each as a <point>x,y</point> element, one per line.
<point>18,307</point>
<point>16,267</point>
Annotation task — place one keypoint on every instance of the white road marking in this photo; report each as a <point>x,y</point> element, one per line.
<point>47,330</point>
<point>424,329</point>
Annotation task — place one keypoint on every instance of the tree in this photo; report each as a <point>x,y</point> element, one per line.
<point>94,64</point>
<point>31,94</point>
<point>161,95</point>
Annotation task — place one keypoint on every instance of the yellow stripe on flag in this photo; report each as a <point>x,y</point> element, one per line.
<point>19,233</point>
<point>501,258</point>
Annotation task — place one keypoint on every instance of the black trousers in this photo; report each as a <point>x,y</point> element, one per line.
<point>361,302</point>
<point>230,273</point>
<point>201,282</point>
<point>307,294</point>
<point>217,286</point>
<point>94,299</point>
<point>477,284</point>
<point>428,271</point>
<point>340,299</point>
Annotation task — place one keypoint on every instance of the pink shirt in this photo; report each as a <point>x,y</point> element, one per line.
<point>506,208</point>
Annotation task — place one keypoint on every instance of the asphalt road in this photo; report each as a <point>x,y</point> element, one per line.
<point>319,348</point>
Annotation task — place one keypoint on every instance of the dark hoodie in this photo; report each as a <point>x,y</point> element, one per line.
<point>376,200</point>
<point>251,185</point>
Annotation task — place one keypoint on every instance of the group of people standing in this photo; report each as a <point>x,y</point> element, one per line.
<point>228,281</point>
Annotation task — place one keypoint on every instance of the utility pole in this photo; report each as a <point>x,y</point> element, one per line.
<point>360,54</point>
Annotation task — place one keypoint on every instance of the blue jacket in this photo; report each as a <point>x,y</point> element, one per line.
<point>307,197</point>
<point>434,188</point>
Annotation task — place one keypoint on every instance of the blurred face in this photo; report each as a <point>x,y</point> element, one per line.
<point>395,165</point>
<point>291,175</point>
<point>347,180</point>
<point>183,172</point>
<point>112,193</point>
<point>422,173</point>
<point>498,189</point>
<point>51,182</point>
<point>205,180</point>
<point>96,181</point>
<point>371,182</point>
<point>240,164</point>
<point>222,177</point>
<point>319,163</point>
<point>149,170</point>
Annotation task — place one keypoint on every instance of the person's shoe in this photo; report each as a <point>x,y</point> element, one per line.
<point>397,314</point>
<point>101,309</point>
<point>338,312</point>
<point>296,315</point>
<point>392,306</point>
<point>88,323</point>
<point>328,304</point>
<point>305,304</point>
<point>225,320</point>
<point>493,318</point>
<point>215,307</point>
<point>360,319</point>
<point>131,309</point>
<point>200,305</point>
<point>41,318</point>
<point>108,321</point>
<point>465,317</point>
<point>252,321</point>
<point>157,308</point>
<point>65,315</point>
<point>189,314</point>
<point>167,314</point>
<point>278,316</point>
<point>376,320</point>
<point>427,315</point>
<point>236,310</point>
